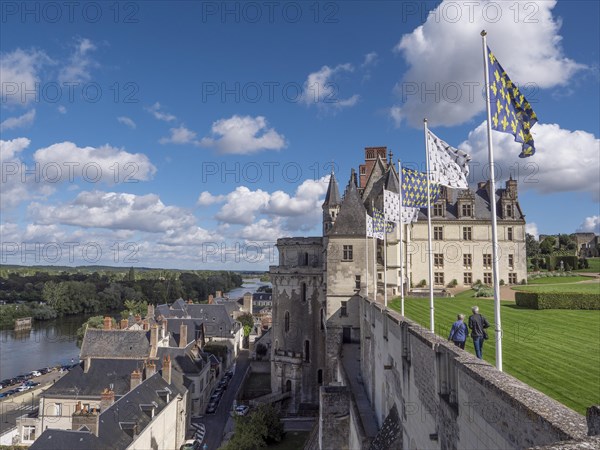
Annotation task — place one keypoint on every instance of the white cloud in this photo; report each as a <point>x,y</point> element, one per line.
<point>370,59</point>
<point>193,235</point>
<point>80,63</point>
<point>243,205</point>
<point>62,109</point>
<point>321,90</point>
<point>206,198</point>
<point>114,210</point>
<point>10,149</point>
<point>590,225</point>
<point>17,122</point>
<point>179,135</point>
<point>263,231</point>
<point>243,135</point>
<point>160,115</point>
<point>102,164</point>
<point>444,55</point>
<point>127,122</point>
<point>565,160</point>
<point>532,228</point>
<point>19,72</point>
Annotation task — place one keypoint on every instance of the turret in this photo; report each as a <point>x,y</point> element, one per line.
<point>331,205</point>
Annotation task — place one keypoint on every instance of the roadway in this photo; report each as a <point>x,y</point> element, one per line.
<point>221,422</point>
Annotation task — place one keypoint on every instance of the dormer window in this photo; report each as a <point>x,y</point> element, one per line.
<point>510,211</point>
<point>438,210</point>
<point>466,210</point>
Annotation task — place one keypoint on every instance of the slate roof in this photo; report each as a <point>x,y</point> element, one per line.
<point>101,373</point>
<point>332,198</point>
<point>98,343</point>
<point>481,206</point>
<point>53,439</point>
<point>350,220</point>
<point>262,296</point>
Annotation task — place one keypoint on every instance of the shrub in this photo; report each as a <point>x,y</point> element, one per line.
<point>523,281</point>
<point>422,283</point>
<point>502,282</point>
<point>557,300</point>
<point>453,283</point>
<point>484,291</point>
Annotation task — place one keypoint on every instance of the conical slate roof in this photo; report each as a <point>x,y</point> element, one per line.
<point>333,193</point>
<point>350,220</point>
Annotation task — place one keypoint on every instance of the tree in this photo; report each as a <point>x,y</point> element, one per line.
<point>131,274</point>
<point>246,319</point>
<point>532,246</point>
<point>547,245</point>
<point>135,308</point>
<point>261,350</point>
<point>260,428</point>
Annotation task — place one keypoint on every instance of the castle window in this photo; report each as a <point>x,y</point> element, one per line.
<point>510,211</point>
<point>344,309</point>
<point>322,320</point>
<point>511,261</point>
<point>509,234</point>
<point>487,260</point>
<point>303,291</point>
<point>438,210</point>
<point>438,278</point>
<point>305,258</point>
<point>347,253</point>
<point>487,277</point>
<point>357,282</point>
<point>438,233</point>
<point>466,210</point>
<point>467,233</point>
<point>320,376</point>
<point>363,170</point>
<point>467,260</point>
<point>58,409</point>
<point>286,321</point>
<point>438,260</point>
<point>307,351</point>
<point>467,278</point>
<point>512,278</point>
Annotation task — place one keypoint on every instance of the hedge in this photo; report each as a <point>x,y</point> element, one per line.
<point>557,300</point>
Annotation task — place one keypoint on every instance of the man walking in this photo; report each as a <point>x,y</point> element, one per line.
<point>478,324</point>
<point>459,332</point>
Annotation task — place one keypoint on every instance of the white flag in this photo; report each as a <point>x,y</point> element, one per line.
<point>409,214</point>
<point>448,165</point>
<point>391,206</point>
<point>371,232</point>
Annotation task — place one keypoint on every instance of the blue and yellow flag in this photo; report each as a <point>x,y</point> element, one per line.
<point>380,224</point>
<point>414,189</point>
<point>510,110</point>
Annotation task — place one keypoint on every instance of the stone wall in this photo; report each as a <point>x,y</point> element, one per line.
<point>448,399</point>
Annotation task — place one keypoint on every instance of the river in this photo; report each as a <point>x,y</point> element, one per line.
<point>54,342</point>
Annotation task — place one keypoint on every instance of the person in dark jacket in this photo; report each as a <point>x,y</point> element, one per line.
<point>459,332</point>
<point>478,324</point>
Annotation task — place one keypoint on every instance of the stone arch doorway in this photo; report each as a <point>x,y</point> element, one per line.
<point>288,386</point>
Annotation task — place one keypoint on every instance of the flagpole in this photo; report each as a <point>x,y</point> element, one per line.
<point>374,256</point>
<point>495,273</point>
<point>367,254</point>
<point>431,305</point>
<point>401,225</point>
<point>385,262</point>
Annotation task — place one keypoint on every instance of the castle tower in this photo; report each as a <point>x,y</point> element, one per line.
<point>331,205</point>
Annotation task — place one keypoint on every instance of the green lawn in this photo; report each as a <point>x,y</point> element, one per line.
<point>555,351</point>
<point>558,280</point>
<point>293,440</point>
<point>590,288</point>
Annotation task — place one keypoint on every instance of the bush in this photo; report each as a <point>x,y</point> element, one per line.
<point>557,300</point>
<point>422,283</point>
<point>484,291</point>
<point>502,282</point>
<point>453,283</point>
<point>523,281</point>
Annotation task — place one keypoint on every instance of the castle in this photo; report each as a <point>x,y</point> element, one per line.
<point>377,379</point>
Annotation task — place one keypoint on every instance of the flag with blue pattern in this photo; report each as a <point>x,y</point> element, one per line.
<point>414,189</point>
<point>511,112</point>
<point>380,224</point>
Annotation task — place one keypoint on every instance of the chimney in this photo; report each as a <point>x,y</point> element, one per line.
<point>78,407</point>
<point>146,325</point>
<point>219,294</point>
<point>150,313</point>
<point>107,398</point>
<point>182,335</point>
<point>138,318</point>
<point>166,369</point>
<point>190,301</point>
<point>248,302</point>
<point>210,299</point>
<point>135,380</point>
<point>511,187</point>
<point>107,322</point>
<point>124,324</point>
<point>84,418</point>
<point>150,369</point>
<point>153,338</point>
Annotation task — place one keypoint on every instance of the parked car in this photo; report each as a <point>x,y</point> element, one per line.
<point>23,387</point>
<point>242,410</point>
<point>190,444</point>
<point>2,395</point>
<point>6,382</point>
<point>11,392</point>
<point>211,408</point>
<point>45,370</point>
<point>223,383</point>
<point>35,373</point>
<point>32,383</point>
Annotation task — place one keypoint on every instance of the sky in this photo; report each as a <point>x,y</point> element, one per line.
<point>192,135</point>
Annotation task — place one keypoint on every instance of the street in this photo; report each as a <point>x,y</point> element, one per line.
<point>220,422</point>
